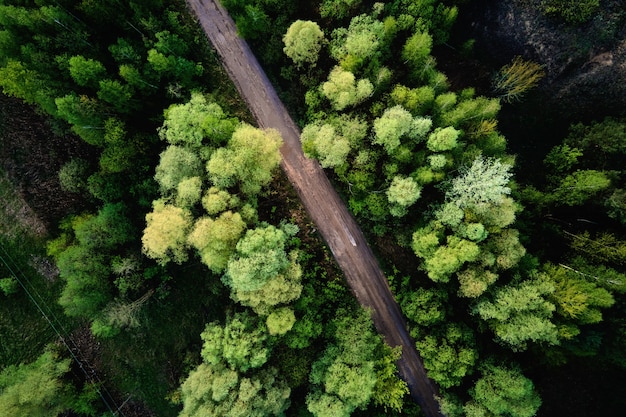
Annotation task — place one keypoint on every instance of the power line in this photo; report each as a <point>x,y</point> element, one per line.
<point>63,338</point>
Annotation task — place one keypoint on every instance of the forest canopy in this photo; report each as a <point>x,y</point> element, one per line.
<point>190,278</point>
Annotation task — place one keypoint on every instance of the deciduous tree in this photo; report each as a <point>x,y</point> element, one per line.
<point>303,42</point>
<point>502,391</point>
<point>165,235</point>
<point>216,239</point>
<point>521,313</point>
<point>249,160</point>
<point>343,90</point>
<point>35,389</point>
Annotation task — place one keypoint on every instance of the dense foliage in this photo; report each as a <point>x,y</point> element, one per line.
<point>198,274</point>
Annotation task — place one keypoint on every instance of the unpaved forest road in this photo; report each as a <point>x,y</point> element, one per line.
<point>327,210</point>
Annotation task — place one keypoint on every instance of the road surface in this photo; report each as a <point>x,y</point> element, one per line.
<point>321,201</point>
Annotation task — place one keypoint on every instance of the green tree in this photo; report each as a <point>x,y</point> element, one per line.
<point>338,9</point>
<point>346,374</point>
<point>485,182</point>
<point>9,286</point>
<point>249,160</point>
<point>116,94</point>
<point>577,188</point>
<point>520,313</point>
<point>575,297</point>
<point>216,390</point>
<point>303,42</point>
<point>86,71</point>
<point>165,235</point>
<point>450,357</point>
<point>322,142</point>
<point>396,123</point>
<point>84,114</point>
<point>175,165</point>
<point>502,391</point>
<point>86,275</point>
<point>343,90</point>
<point>423,307</point>
<point>107,230</point>
<point>197,123</point>
<point>240,343</point>
<point>73,175</point>
<point>216,239</point>
<point>35,389</point>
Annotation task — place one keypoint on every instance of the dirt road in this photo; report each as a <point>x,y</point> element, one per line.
<point>327,210</point>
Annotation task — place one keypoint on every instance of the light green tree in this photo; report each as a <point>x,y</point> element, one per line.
<point>502,391</point>
<point>470,112</point>
<point>416,54</point>
<point>359,43</point>
<point>216,390</point>
<point>165,235</point>
<point>280,321</point>
<point>260,257</point>
<point>197,123</point>
<point>343,90</point>
<point>188,192</point>
<point>443,139</point>
<point>485,182</point>
<point>474,281</point>
<point>321,141</point>
<point>216,201</point>
<point>240,343</point>
<point>521,313</point>
<point>35,389</point>
<point>86,72</point>
<point>396,123</point>
<point>402,193</point>
<point>303,42</point>
<point>232,380</point>
<point>175,165</point>
<point>216,239</point>
<point>249,160</point>
<point>416,100</point>
<point>448,259</point>
<point>281,289</point>
<point>338,9</point>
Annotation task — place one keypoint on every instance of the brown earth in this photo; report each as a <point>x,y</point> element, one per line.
<point>325,207</point>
